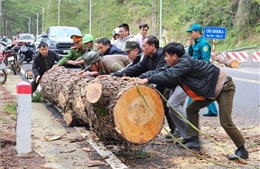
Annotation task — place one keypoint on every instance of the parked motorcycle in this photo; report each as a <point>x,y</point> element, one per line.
<point>11,58</point>
<point>3,70</point>
<point>27,52</point>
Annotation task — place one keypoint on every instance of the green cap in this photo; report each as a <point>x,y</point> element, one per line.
<point>90,58</point>
<point>130,45</point>
<point>87,38</point>
<point>195,27</point>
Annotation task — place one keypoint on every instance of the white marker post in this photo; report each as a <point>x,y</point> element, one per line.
<point>24,117</point>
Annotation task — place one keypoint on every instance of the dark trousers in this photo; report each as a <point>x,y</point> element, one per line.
<point>34,85</point>
<point>225,102</point>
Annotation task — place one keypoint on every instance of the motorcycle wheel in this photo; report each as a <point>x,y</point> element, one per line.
<point>13,69</point>
<point>3,76</point>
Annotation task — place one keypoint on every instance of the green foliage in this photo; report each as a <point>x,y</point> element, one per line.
<point>37,97</point>
<point>240,17</point>
<point>10,109</point>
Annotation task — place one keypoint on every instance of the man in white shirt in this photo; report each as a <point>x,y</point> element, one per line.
<point>143,29</point>
<point>124,35</point>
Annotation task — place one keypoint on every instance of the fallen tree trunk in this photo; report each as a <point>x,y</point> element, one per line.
<point>113,108</point>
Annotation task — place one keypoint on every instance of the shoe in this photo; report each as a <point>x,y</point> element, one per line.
<point>193,143</point>
<point>175,133</point>
<point>210,114</point>
<point>240,152</point>
<point>185,140</point>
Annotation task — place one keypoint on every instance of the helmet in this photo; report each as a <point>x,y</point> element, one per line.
<point>90,58</point>
<point>115,31</point>
<point>87,38</point>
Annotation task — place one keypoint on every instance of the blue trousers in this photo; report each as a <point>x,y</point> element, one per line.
<point>211,107</point>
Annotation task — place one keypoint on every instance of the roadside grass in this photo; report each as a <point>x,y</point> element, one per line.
<point>10,110</point>
<point>37,97</point>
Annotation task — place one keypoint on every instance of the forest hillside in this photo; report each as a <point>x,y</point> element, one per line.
<point>241,18</point>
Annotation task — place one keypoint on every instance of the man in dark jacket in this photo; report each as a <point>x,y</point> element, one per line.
<point>133,51</point>
<point>153,59</point>
<point>43,61</point>
<point>204,83</point>
<point>106,48</point>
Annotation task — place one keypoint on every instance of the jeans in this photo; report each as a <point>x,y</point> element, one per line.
<point>225,102</point>
<point>177,99</point>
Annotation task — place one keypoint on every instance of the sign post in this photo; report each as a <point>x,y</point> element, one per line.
<point>214,33</point>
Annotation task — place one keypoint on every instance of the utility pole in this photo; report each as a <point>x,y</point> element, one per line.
<point>154,17</point>
<point>6,21</point>
<point>59,2</point>
<point>29,24</point>
<point>37,28</point>
<point>160,20</point>
<point>90,15</point>
<point>1,16</point>
<point>42,16</point>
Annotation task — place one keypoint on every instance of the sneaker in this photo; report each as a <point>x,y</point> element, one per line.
<point>240,152</point>
<point>185,140</point>
<point>193,143</point>
<point>175,133</point>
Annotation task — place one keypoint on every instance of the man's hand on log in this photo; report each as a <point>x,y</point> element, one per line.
<point>103,76</point>
<point>79,72</point>
<point>140,81</point>
<point>88,73</point>
<point>55,66</point>
<point>38,78</point>
<point>126,78</point>
<point>72,62</point>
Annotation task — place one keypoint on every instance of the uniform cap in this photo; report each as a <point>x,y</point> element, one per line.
<point>76,38</point>
<point>194,27</point>
<point>130,45</point>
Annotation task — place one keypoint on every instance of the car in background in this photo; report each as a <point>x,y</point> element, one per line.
<point>37,40</point>
<point>58,38</point>
<point>20,38</point>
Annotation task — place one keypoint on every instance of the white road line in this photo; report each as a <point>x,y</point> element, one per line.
<point>246,80</point>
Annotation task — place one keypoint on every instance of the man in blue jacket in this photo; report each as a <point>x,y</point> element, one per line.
<point>204,83</point>
<point>200,49</point>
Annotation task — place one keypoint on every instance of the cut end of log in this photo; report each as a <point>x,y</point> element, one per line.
<point>234,64</point>
<point>94,92</point>
<point>137,121</point>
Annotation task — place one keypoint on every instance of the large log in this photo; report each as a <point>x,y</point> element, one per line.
<point>113,108</point>
<point>60,86</point>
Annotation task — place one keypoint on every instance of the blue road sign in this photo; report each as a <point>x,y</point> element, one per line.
<point>214,32</point>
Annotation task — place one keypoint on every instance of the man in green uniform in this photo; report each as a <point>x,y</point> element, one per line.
<point>200,49</point>
<point>75,52</point>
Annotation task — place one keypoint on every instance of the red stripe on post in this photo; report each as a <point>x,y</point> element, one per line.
<point>23,88</point>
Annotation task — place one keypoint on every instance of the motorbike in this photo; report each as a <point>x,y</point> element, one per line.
<point>3,70</point>
<point>11,60</point>
<point>26,52</point>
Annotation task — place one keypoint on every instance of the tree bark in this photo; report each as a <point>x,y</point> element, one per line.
<point>114,109</point>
